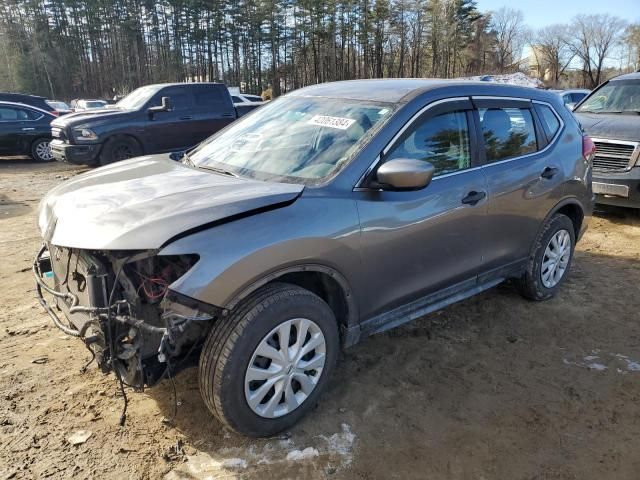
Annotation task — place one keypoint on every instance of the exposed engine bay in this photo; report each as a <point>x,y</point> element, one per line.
<point>121,305</point>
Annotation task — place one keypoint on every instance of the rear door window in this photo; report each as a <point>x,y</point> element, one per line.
<point>8,114</point>
<point>507,132</point>
<point>13,114</point>
<point>208,97</point>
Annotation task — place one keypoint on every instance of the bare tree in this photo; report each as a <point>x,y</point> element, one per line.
<point>510,31</point>
<point>591,38</point>
<point>550,46</point>
<point>631,41</point>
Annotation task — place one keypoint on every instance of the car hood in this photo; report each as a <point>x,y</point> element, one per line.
<point>89,117</point>
<point>144,202</point>
<point>613,126</point>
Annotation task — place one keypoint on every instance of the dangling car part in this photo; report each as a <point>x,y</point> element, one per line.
<point>122,308</point>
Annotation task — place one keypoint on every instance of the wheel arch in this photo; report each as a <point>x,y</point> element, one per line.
<point>115,135</point>
<point>324,281</point>
<point>572,208</point>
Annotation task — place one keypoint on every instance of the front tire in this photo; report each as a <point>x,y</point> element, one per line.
<point>264,366</point>
<point>119,148</point>
<point>550,259</point>
<point>41,150</point>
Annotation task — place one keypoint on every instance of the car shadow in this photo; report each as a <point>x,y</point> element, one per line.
<point>618,215</point>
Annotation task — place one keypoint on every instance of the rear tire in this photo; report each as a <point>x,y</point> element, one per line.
<point>41,150</point>
<point>119,148</point>
<point>550,259</point>
<point>231,357</point>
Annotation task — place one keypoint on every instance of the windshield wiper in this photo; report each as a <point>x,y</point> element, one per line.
<point>219,170</point>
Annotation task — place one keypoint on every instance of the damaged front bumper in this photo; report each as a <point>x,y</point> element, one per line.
<point>125,312</point>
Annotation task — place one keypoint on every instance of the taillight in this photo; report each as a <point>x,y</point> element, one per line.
<point>588,148</point>
<point>55,113</point>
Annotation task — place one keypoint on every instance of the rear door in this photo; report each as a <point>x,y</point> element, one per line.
<point>212,111</point>
<point>525,179</point>
<point>416,243</point>
<point>175,129</point>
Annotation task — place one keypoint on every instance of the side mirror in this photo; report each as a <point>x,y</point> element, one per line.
<point>177,155</point>
<point>164,107</point>
<point>405,174</point>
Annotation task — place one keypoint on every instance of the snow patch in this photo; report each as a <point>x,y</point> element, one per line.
<point>601,361</point>
<point>330,451</point>
<point>341,444</point>
<point>519,79</point>
<point>235,463</point>
<point>307,453</point>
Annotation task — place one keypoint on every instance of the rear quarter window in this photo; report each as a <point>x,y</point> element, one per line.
<point>549,120</point>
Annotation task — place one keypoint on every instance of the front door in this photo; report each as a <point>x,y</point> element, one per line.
<point>172,130</point>
<point>416,243</point>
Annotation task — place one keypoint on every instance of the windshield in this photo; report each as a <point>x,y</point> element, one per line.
<point>614,97</point>
<point>137,98</point>
<point>95,104</point>
<point>293,139</point>
<point>58,105</point>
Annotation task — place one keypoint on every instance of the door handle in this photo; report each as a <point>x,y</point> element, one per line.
<point>188,117</point>
<point>549,172</point>
<point>28,129</point>
<point>474,197</point>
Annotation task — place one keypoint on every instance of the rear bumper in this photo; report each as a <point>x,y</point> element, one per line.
<point>620,188</point>
<point>78,154</point>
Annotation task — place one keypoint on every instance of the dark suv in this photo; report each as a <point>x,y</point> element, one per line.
<point>330,214</point>
<point>611,116</point>
<point>152,119</point>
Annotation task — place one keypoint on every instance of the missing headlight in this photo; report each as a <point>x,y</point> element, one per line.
<point>152,276</point>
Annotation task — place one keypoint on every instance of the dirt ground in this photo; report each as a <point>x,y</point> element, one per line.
<point>495,387</point>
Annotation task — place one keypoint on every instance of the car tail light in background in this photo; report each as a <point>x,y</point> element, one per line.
<point>588,148</point>
<point>55,113</point>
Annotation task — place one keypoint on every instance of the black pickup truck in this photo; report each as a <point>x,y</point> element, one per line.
<point>152,119</point>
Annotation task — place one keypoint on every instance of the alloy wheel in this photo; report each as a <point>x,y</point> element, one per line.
<point>285,368</point>
<point>43,151</point>
<point>122,152</point>
<point>556,258</point>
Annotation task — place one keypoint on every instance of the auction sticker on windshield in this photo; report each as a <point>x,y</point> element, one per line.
<point>332,122</point>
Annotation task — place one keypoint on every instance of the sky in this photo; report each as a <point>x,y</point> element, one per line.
<point>539,13</point>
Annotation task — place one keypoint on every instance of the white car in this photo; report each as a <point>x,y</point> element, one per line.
<point>245,98</point>
<point>81,105</point>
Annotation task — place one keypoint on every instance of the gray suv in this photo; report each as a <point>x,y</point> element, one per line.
<point>333,213</point>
